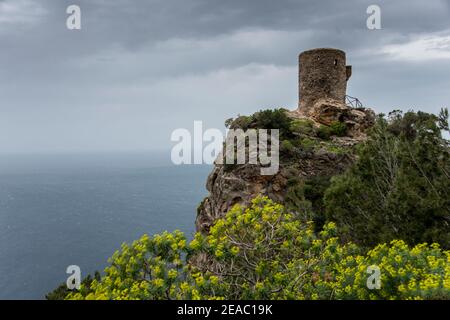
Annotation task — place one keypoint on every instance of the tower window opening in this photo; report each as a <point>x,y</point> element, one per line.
<point>335,62</point>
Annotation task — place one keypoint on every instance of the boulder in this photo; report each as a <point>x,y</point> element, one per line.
<point>327,111</point>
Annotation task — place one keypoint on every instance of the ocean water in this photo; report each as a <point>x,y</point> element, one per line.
<point>57,211</point>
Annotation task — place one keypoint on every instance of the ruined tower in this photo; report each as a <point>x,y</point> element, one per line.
<point>323,73</point>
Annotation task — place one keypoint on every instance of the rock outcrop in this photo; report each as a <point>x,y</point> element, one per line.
<point>238,184</point>
<point>320,143</point>
<point>327,111</point>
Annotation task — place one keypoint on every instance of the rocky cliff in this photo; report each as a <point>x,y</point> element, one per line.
<point>313,147</point>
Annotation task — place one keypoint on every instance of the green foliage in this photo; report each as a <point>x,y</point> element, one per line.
<point>267,119</point>
<point>324,132</point>
<point>241,122</point>
<point>308,144</point>
<point>149,268</point>
<point>265,252</point>
<point>286,146</point>
<point>302,126</point>
<point>305,199</point>
<point>422,272</point>
<point>393,199</point>
<point>443,119</point>
<point>296,135</point>
<point>272,119</point>
<point>291,148</point>
<point>338,128</point>
<point>295,200</point>
<point>398,188</point>
<point>62,291</point>
<point>314,191</point>
<point>335,149</point>
<point>264,119</point>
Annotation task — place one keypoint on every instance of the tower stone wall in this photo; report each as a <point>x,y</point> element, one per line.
<point>323,74</point>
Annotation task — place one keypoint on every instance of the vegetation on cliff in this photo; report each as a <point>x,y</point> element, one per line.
<point>389,209</point>
<point>265,252</point>
<point>295,134</point>
<point>398,187</point>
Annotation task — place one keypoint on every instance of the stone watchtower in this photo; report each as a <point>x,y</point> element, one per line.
<point>323,74</point>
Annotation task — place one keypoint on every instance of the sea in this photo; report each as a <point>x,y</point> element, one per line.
<point>58,210</point>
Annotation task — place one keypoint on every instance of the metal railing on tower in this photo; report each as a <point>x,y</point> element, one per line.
<point>353,102</point>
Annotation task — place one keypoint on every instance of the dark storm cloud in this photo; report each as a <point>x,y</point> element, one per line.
<point>111,85</point>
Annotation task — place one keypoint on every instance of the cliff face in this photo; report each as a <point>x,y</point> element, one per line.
<point>313,150</point>
<point>316,143</point>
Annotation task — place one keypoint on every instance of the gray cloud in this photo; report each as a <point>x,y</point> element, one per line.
<point>138,70</point>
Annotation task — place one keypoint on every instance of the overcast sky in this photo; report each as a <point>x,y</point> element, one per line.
<point>137,70</point>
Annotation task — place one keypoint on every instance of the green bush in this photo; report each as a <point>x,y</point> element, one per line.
<point>241,122</point>
<point>273,119</point>
<point>324,132</point>
<point>335,148</point>
<point>149,268</point>
<point>338,128</point>
<point>314,191</point>
<point>308,144</point>
<point>264,119</point>
<point>421,272</point>
<point>398,187</point>
<point>302,126</point>
<point>265,252</point>
<point>62,291</point>
<point>305,198</point>
<point>295,200</point>
<point>286,146</point>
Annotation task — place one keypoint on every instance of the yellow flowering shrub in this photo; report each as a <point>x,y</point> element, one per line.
<point>421,272</point>
<point>149,268</point>
<point>265,252</point>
